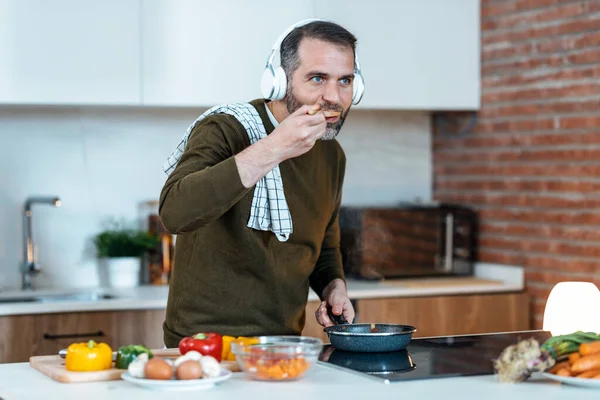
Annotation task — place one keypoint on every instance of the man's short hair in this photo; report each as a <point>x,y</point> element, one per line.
<point>322,30</point>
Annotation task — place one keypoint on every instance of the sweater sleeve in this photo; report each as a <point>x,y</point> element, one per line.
<point>205,183</point>
<point>329,264</point>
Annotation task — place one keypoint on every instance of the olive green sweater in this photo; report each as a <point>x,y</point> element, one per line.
<point>232,279</point>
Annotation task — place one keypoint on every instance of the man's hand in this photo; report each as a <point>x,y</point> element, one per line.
<point>335,296</point>
<point>298,133</point>
<point>294,136</point>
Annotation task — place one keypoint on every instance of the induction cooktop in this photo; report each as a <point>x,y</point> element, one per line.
<point>434,357</point>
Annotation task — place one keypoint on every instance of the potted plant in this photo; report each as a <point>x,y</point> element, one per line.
<point>120,250</point>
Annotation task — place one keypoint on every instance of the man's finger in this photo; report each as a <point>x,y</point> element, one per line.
<point>313,109</point>
<point>314,120</point>
<point>322,316</point>
<point>348,312</point>
<point>337,302</point>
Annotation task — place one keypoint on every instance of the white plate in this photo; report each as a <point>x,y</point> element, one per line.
<point>570,380</point>
<point>174,384</point>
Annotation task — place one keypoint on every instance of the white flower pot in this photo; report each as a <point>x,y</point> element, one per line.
<point>121,272</point>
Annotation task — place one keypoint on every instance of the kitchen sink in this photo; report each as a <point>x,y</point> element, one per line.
<point>52,298</point>
<point>13,300</point>
<point>75,297</point>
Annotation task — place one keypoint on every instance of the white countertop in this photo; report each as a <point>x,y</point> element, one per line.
<point>21,382</point>
<point>488,278</point>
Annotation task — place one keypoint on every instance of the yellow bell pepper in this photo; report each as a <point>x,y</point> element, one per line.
<point>247,340</point>
<point>90,356</point>
<point>227,354</point>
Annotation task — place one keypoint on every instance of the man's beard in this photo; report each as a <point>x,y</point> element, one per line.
<point>332,130</point>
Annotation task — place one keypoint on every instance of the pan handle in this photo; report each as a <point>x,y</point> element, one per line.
<point>336,319</point>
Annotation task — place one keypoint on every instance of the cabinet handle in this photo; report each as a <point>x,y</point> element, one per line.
<point>73,335</point>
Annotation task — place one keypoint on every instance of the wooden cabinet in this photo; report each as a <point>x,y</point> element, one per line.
<point>201,52</point>
<point>420,55</point>
<point>24,336</point>
<point>69,52</point>
<point>439,315</point>
<point>17,337</point>
<point>56,331</point>
<point>311,327</point>
<point>450,315</point>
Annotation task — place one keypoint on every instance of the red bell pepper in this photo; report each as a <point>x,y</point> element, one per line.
<point>207,344</point>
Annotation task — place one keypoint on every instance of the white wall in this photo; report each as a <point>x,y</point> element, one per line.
<point>103,162</point>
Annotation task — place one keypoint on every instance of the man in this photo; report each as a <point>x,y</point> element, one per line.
<point>238,281</point>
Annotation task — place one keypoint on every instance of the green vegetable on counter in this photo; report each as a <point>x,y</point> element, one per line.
<point>127,354</point>
<point>561,346</point>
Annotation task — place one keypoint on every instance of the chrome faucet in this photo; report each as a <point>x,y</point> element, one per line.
<point>30,265</point>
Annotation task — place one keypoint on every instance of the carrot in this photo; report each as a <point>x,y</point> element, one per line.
<point>589,348</point>
<point>563,372</point>
<point>574,357</point>
<point>560,365</point>
<point>589,374</point>
<point>586,363</point>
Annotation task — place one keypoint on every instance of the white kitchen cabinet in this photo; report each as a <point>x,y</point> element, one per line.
<point>69,52</point>
<point>422,55</point>
<point>204,52</point>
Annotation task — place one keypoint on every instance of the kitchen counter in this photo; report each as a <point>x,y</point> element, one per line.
<point>488,278</point>
<point>21,382</point>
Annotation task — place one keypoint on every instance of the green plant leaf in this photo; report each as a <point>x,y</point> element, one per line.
<point>123,242</point>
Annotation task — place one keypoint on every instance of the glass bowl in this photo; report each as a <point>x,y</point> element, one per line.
<point>277,358</point>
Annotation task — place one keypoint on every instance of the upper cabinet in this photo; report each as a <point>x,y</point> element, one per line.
<point>202,53</point>
<point>414,54</point>
<point>422,55</point>
<point>69,52</point>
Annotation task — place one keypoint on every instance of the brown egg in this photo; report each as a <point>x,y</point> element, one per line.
<point>190,369</point>
<point>157,368</point>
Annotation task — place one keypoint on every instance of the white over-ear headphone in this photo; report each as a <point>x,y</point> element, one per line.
<point>274,82</point>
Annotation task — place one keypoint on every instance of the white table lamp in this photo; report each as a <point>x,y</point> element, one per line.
<point>571,307</point>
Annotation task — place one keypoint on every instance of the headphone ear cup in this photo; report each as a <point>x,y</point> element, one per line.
<point>280,84</point>
<point>267,83</point>
<point>358,88</point>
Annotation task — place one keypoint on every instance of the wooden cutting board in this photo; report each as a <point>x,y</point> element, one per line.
<point>54,367</point>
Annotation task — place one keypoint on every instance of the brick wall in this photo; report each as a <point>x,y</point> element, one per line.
<point>531,163</point>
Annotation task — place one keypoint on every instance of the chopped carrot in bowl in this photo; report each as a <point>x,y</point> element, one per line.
<point>277,358</point>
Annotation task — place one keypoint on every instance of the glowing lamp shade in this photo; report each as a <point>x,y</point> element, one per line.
<point>571,307</point>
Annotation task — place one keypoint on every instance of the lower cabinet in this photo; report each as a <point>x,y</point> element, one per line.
<point>451,315</point>
<point>311,327</point>
<point>17,338</point>
<point>24,336</point>
<point>439,315</point>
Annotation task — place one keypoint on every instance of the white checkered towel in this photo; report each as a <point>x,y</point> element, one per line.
<point>269,211</point>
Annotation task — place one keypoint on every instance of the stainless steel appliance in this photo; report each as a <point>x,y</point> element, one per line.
<point>410,240</point>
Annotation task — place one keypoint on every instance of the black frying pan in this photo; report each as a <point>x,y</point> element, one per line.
<point>367,338</point>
